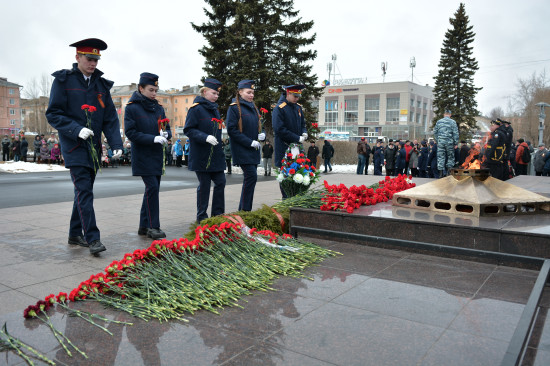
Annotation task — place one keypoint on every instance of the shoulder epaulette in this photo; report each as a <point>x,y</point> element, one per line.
<point>129,103</point>
<point>234,103</point>
<point>282,105</point>
<point>194,104</point>
<point>299,104</point>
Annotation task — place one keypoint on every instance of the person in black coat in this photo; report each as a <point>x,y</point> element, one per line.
<point>433,172</point>
<point>378,158</point>
<point>289,124</point>
<point>84,85</point>
<point>245,131</point>
<point>423,160</point>
<point>24,148</point>
<point>37,144</point>
<point>312,154</point>
<point>389,155</point>
<point>203,126</point>
<point>148,129</point>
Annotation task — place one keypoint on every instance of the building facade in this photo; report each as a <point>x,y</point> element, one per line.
<point>398,110</point>
<point>10,107</point>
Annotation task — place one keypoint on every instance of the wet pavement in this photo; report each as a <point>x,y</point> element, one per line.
<point>371,306</point>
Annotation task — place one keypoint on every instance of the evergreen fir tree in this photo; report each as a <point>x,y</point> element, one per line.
<point>454,87</point>
<point>263,41</point>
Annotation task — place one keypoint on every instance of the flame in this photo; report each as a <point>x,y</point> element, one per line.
<point>476,164</point>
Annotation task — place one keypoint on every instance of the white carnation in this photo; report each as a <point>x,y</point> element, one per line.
<point>298,178</point>
<point>280,177</point>
<point>306,180</point>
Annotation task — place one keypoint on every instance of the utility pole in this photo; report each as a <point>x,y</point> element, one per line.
<point>542,116</point>
<point>412,65</point>
<point>384,68</point>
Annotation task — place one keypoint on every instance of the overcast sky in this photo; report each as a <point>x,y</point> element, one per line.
<point>512,39</point>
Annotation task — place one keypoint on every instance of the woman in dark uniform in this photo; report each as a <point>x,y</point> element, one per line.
<point>147,128</point>
<point>244,129</point>
<point>206,158</point>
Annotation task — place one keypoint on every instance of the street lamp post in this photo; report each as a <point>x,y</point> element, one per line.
<point>542,116</point>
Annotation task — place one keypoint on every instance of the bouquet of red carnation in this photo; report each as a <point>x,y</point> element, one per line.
<point>296,174</point>
<point>217,124</point>
<point>89,109</point>
<point>162,123</point>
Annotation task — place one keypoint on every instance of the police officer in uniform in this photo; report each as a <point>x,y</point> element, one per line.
<point>71,89</point>
<point>289,124</point>
<point>141,124</point>
<point>206,157</point>
<point>245,130</point>
<point>495,151</point>
<point>446,136</point>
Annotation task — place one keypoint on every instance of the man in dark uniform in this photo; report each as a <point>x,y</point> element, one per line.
<point>509,131</point>
<point>71,89</point>
<point>289,124</point>
<point>495,150</point>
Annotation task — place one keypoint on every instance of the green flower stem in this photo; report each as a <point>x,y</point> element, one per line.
<point>11,343</point>
<point>61,338</point>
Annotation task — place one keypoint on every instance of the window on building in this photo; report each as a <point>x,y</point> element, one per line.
<point>176,118</point>
<point>12,101</point>
<point>425,119</point>
<point>165,100</point>
<point>176,101</point>
<point>418,104</point>
<point>411,116</point>
<point>392,109</point>
<point>12,112</point>
<point>12,122</point>
<point>425,106</point>
<point>186,100</point>
<point>331,111</point>
<point>418,115</point>
<point>186,109</point>
<point>351,108</point>
<point>412,102</point>
<point>176,110</point>
<point>12,91</point>
<point>372,109</point>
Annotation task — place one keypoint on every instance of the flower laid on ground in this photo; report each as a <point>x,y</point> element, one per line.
<point>217,124</point>
<point>173,277</point>
<point>39,311</point>
<point>296,174</point>
<point>22,349</point>
<point>89,109</point>
<point>342,198</point>
<point>162,124</point>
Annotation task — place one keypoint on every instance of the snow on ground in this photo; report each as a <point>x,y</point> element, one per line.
<point>25,167</point>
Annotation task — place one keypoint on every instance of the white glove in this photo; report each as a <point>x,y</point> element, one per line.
<point>164,134</point>
<point>304,135</point>
<point>302,139</point>
<point>255,144</point>
<point>160,140</point>
<point>261,136</point>
<point>85,133</point>
<point>117,154</point>
<point>212,140</point>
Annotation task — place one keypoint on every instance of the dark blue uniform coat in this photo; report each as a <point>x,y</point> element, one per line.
<point>141,126</point>
<point>288,125</point>
<point>241,150</point>
<point>69,92</point>
<point>198,125</point>
<point>243,154</point>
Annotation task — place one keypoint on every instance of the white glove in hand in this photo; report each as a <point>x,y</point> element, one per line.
<point>164,134</point>
<point>261,136</point>
<point>212,140</point>
<point>255,144</point>
<point>117,154</point>
<point>85,133</point>
<point>302,139</point>
<point>160,140</point>
<point>304,135</point>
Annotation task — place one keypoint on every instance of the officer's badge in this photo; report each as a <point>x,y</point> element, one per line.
<point>95,51</point>
<point>219,89</point>
<point>157,83</point>
<point>252,86</point>
<point>496,134</point>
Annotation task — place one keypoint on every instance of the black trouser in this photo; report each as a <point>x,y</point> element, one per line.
<point>5,154</point>
<point>178,161</point>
